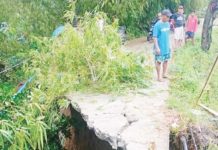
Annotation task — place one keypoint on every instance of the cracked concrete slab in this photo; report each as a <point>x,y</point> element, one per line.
<point>134,124</point>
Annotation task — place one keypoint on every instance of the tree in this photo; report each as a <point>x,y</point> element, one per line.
<point>136,15</point>
<point>208,25</point>
<point>20,20</point>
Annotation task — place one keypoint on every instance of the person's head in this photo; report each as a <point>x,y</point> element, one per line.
<point>165,15</point>
<point>193,13</point>
<point>180,9</point>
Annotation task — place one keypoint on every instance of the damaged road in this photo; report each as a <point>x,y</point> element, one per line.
<point>135,121</point>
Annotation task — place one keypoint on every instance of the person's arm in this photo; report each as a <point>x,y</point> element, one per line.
<point>170,42</point>
<point>155,36</point>
<point>196,25</point>
<point>157,48</point>
<point>184,22</point>
<point>188,22</point>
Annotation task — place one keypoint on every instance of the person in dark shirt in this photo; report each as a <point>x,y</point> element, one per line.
<point>179,23</point>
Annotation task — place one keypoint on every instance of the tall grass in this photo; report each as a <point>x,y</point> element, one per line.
<point>189,71</point>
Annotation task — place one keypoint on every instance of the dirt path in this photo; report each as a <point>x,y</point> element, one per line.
<point>155,97</point>
<point>157,117</point>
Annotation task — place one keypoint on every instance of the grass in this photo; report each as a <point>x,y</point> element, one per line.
<point>189,71</point>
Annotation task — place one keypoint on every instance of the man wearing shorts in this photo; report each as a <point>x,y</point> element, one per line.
<point>191,27</point>
<point>179,20</point>
<point>162,50</point>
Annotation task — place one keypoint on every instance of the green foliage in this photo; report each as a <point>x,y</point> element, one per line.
<point>194,4</point>
<point>25,124</point>
<point>90,59</point>
<point>27,18</point>
<point>189,5</point>
<point>212,147</point>
<point>38,17</point>
<point>85,59</point>
<point>190,70</point>
<point>22,124</point>
<point>136,15</point>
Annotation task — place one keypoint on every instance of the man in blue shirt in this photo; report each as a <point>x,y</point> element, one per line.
<point>162,50</point>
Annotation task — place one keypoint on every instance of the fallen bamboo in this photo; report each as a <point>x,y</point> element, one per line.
<point>209,110</point>
<point>204,87</point>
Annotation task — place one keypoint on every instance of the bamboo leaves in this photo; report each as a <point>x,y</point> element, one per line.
<point>89,59</point>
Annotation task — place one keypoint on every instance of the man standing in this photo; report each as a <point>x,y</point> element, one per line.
<point>162,50</point>
<point>179,20</point>
<point>191,27</point>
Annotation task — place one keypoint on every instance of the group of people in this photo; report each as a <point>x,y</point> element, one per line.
<point>189,26</point>
<point>183,30</point>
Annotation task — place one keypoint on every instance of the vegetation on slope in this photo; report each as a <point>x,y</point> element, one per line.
<point>25,19</point>
<point>84,59</point>
<point>21,21</point>
<point>190,69</point>
<point>20,128</point>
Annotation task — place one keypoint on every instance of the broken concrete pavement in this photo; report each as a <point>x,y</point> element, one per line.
<point>135,121</point>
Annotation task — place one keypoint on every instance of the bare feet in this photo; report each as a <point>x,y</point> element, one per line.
<point>165,77</point>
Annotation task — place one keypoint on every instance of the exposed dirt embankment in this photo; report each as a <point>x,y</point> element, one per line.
<point>79,136</point>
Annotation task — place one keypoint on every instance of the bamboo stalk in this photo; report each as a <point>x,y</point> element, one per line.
<point>209,110</point>
<point>207,80</point>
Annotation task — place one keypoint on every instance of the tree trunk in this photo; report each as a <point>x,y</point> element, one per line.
<point>208,25</point>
